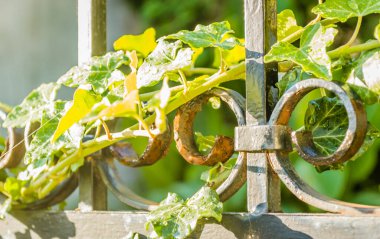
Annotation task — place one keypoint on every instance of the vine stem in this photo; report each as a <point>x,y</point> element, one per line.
<point>97,144</point>
<point>353,37</point>
<point>356,48</point>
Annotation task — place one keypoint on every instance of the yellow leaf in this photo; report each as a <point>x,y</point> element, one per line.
<point>233,56</point>
<point>82,104</point>
<point>143,43</point>
<point>196,54</point>
<point>130,82</point>
<point>122,108</point>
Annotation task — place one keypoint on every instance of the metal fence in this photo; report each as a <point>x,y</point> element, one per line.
<point>262,138</point>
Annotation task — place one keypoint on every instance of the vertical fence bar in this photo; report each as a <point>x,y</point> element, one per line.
<point>91,42</point>
<point>260,33</point>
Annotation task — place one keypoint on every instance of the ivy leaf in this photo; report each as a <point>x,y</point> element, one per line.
<point>345,9</point>
<point>364,77</point>
<point>176,218</point>
<point>216,175</point>
<point>41,150</point>
<point>126,107</point>
<point>83,101</point>
<point>291,77</point>
<point>286,24</point>
<point>204,143</point>
<point>99,72</point>
<point>32,106</point>
<point>327,119</point>
<point>212,35</point>
<point>143,43</point>
<point>311,55</point>
<point>167,57</point>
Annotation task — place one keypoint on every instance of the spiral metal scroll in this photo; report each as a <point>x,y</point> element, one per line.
<point>125,154</point>
<point>353,139</point>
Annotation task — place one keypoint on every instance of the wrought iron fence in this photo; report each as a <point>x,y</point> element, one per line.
<point>262,138</point>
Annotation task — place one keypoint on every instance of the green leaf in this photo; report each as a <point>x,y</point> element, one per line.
<point>12,187</point>
<point>167,57</point>
<point>366,95</point>
<point>291,77</point>
<point>143,43</point>
<point>175,218</point>
<point>82,104</point>
<point>41,150</point>
<point>345,9</point>
<point>31,108</point>
<point>212,35</point>
<point>100,72</point>
<point>366,74</point>
<point>204,143</point>
<point>286,24</point>
<point>327,119</point>
<point>311,55</point>
<point>216,175</point>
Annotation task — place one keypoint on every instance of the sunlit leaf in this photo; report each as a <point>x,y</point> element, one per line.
<point>311,55</point>
<point>130,82</point>
<point>364,79</point>
<point>83,101</point>
<point>286,24</point>
<point>377,32</point>
<point>176,218</point>
<point>99,72</point>
<point>30,110</point>
<point>291,77</point>
<point>41,150</point>
<point>167,57</point>
<point>345,9</point>
<point>126,107</point>
<point>208,36</point>
<point>204,143</point>
<point>143,43</point>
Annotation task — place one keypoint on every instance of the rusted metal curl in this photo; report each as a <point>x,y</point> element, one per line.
<point>156,149</point>
<point>223,147</point>
<point>124,153</point>
<point>353,139</point>
<point>14,147</point>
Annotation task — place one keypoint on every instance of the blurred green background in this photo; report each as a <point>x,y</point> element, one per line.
<point>39,44</point>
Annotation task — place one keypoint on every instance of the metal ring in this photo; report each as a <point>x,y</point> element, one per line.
<point>233,182</point>
<point>356,130</point>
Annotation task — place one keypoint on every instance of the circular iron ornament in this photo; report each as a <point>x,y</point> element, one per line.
<point>354,137</point>
<point>14,147</point>
<point>111,177</point>
<point>223,147</point>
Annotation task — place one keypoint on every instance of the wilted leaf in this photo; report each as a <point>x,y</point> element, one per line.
<point>311,55</point>
<point>99,72</point>
<point>208,36</point>
<point>82,104</point>
<point>286,24</point>
<point>165,58</point>
<point>143,43</point>
<point>175,218</point>
<point>345,9</point>
<point>30,110</point>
